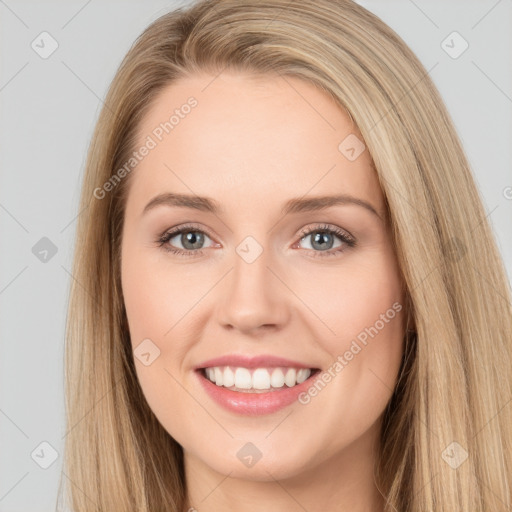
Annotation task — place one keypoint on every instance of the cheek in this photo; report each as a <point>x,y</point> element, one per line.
<point>352,298</point>
<point>356,315</point>
<point>157,295</point>
<point>156,300</point>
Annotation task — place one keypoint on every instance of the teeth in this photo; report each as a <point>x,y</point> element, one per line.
<point>256,379</point>
<point>302,375</point>
<point>290,378</point>
<point>228,378</point>
<point>218,376</point>
<point>261,379</point>
<point>242,378</point>
<point>277,379</point>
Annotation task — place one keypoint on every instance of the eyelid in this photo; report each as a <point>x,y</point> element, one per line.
<point>348,241</point>
<point>329,228</point>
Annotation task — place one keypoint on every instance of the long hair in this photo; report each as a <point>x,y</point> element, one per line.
<point>446,436</point>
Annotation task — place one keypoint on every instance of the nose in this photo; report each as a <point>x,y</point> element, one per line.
<point>253,297</point>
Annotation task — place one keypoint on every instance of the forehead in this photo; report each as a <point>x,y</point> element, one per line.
<point>262,137</point>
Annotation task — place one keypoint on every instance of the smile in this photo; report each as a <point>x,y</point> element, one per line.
<point>255,391</point>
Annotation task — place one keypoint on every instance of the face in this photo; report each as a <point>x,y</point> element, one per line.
<point>280,286</point>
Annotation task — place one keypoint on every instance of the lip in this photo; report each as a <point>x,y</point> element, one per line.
<point>253,404</point>
<point>259,361</point>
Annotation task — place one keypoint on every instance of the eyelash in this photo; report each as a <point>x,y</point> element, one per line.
<point>347,239</point>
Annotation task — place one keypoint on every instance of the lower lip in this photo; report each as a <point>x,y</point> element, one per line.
<point>253,404</point>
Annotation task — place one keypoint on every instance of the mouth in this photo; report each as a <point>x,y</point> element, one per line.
<point>257,380</point>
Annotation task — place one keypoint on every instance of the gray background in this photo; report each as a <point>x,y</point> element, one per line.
<point>48,110</point>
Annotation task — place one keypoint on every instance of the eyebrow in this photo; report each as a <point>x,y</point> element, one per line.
<point>296,205</point>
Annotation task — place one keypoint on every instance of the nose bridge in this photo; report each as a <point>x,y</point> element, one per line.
<point>252,296</point>
<point>250,266</point>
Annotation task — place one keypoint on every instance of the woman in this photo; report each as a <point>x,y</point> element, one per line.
<point>218,357</point>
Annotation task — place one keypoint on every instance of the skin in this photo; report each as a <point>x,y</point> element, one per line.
<point>252,143</point>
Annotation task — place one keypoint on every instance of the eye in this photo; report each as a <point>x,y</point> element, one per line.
<point>323,240</point>
<point>192,239</point>
<point>189,237</point>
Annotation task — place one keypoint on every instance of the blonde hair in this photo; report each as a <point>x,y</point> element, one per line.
<point>455,382</point>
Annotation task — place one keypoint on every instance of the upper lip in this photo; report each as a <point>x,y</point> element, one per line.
<point>245,361</point>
